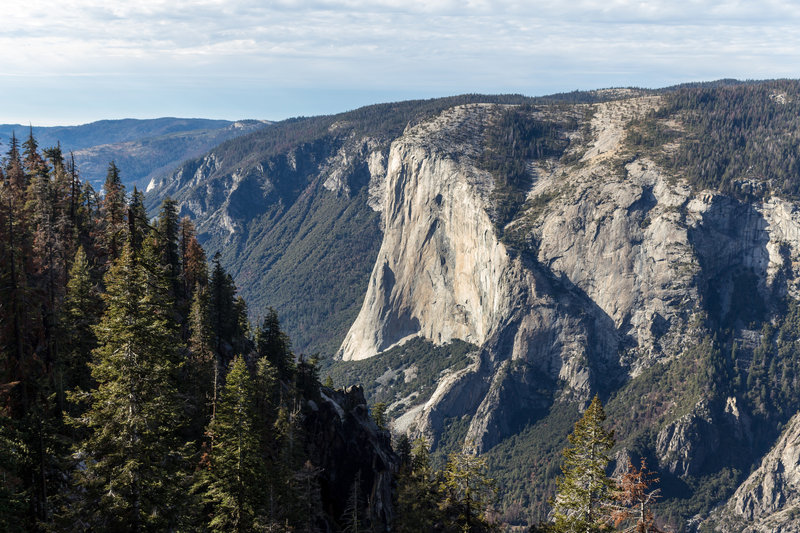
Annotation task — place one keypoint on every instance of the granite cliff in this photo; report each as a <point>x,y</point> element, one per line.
<point>608,268</point>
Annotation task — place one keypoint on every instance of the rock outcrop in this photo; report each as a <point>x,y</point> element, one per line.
<point>349,449</point>
<point>441,272</point>
<point>769,499</point>
<point>683,446</point>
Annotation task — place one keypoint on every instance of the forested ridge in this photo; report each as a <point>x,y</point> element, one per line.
<point>738,138</point>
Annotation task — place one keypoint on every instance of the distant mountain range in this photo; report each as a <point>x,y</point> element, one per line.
<point>142,149</point>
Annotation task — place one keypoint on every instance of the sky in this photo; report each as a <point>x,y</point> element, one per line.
<point>75,61</point>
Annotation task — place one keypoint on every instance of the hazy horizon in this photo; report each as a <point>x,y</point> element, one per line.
<point>80,61</point>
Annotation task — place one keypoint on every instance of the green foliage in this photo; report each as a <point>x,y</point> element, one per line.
<point>166,232</point>
<point>313,257</point>
<point>139,398</point>
<point>728,134</point>
<point>584,489</point>
<point>236,476</point>
<point>458,498</point>
<point>274,345</point>
<point>416,492</point>
<point>379,415</point>
<point>467,494</point>
<point>13,497</point>
<point>132,457</point>
<point>667,391</point>
<point>80,312</point>
<point>525,487</point>
<point>517,138</point>
<point>408,372</point>
<point>113,211</point>
<point>452,438</point>
<point>772,377</point>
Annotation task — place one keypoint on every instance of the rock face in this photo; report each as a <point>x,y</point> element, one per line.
<point>685,444</point>
<point>441,271</point>
<point>769,500</point>
<point>348,448</point>
<point>624,257</point>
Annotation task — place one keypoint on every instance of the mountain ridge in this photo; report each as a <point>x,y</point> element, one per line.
<point>142,148</point>
<point>569,241</point>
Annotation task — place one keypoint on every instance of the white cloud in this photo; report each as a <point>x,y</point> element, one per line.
<point>418,45</point>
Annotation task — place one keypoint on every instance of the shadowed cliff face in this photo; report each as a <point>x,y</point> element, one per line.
<point>769,499</point>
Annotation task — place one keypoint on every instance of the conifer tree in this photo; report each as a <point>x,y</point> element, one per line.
<point>582,502</point>
<point>241,335</point>
<point>138,227</point>
<point>274,344</point>
<point>32,162</point>
<point>80,312</point>
<point>193,258</point>
<point>417,492</point>
<point>222,306</point>
<point>113,210</point>
<point>132,458</point>
<point>467,494</point>
<point>379,415</point>
<point>236,476</point>
<point>168,237</point>
<point>202,361</point>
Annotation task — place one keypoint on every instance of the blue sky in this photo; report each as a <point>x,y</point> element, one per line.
<point>75,61</point>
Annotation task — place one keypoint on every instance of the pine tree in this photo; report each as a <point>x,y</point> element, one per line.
<point>236,476</point>
<point>379,415</point>
<point>241,340</point>
<point>113,210</point>
<point>132,458</point>
<point>417,493</point>
<point>200,372</point>
<point>138,227</point>
<point>274,344</point>
<point>193,258</point>
<point>467,494</point>
<point>80,313</point>
<point>222,308</point>
<point>168,236</point>
<point>32,161</point>
<point>584,490</point>
<point>223,320</point>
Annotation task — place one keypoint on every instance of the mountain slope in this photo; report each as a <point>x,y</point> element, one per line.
<point>142,149</point>
<point>572,245</point>
<point>292,211</point>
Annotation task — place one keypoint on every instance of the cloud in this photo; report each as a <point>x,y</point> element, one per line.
<point>387,45</point>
